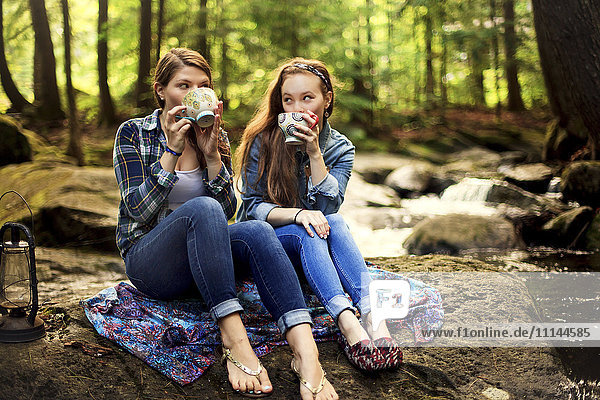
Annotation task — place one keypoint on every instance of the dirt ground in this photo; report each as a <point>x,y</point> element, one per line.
<point>74,362</point>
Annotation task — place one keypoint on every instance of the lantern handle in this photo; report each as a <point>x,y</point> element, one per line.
<point>24,201</point>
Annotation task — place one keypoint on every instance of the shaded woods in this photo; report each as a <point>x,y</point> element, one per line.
<point>392,59</point>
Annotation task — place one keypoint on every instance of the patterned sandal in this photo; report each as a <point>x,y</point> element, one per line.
<point>225,355</point>
<point>362,355</point>
<point>306,384</point>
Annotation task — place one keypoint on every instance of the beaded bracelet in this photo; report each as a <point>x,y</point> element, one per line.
<point>168,150</point>
<point>299,211</point>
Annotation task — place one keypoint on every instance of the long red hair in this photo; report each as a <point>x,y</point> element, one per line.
<point>174,60</point>
<point>277,162</point>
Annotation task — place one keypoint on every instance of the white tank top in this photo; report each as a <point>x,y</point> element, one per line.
<point>189,185</point>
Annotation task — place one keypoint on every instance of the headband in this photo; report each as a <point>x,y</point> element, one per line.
<point>315,71</point>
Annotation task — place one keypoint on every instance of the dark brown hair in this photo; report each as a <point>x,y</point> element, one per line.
<point>276,160</point>
<point>174,60</point>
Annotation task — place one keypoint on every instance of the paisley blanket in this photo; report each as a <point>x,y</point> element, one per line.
<point>178,338</point>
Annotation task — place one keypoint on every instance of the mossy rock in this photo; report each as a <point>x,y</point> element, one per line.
<point>449,234</point>
<point>14,146</point>
<point>592,235</point>
<point>581,182</point>
<point>567,228</point>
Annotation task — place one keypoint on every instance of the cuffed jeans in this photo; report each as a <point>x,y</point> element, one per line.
<point>195,247</point>
<point>330,265</point>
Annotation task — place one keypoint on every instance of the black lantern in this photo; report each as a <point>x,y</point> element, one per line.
<point>18,283</point>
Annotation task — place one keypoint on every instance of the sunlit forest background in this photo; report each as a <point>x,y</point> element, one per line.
<point>390,58</point>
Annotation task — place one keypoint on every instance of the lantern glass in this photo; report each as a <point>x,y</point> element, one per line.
<point>15,290</point>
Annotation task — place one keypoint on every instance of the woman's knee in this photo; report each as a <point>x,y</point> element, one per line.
<point>335,220</point>
<point>204,207</point>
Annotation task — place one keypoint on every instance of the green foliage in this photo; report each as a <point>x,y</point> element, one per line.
<point>374,48</point>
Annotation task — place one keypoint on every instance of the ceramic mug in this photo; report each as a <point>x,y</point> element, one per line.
<point>200,103</point>
<point>286,122</point>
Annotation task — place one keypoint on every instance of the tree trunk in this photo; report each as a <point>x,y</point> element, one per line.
<point>370,66</point>
<point>74,148</point>
<point>477,88</point>
<point>107,109</point>
<point>18,102</point>
<point>515,101</point>
<point>568,36</point>
<point>143,91</point>
<point>203,47</point>
<point>417,63</point>
<point>47,97</point>
<point>429,83</point>
<point>222,32</point>
<point>159,28</point>
<point>495,56</point>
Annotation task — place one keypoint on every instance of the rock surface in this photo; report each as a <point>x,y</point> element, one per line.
<point>581,182</point>
<point>71,205</point>
<point>568,228</point>
<point>449,234</point>
<point>531,177</point>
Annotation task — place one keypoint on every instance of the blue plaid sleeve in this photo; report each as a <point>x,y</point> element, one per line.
<point>221,187</point>
<point>143,190</point>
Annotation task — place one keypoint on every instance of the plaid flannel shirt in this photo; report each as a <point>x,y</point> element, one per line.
<point>145,186</point>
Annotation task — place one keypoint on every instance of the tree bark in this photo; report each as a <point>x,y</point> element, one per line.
<point>18,102</point>
<point>159,28</point>
<point>74,148</point>
<point>47,97</point>
<point>515,101</point>
<point>203,47</point>
<point>107,108</point>
<point>222,33</point>
<point>143,91</point>
<point>495,57</point>
<point>568,35</point>
<point>429,82</point>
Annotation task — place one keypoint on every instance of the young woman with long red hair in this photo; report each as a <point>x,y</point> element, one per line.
<point>298,190</point>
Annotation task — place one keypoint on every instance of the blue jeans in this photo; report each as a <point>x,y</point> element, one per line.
<point>194,249</point>
<point>330,265</point>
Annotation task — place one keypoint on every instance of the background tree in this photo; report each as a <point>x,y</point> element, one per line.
<point>203,47</point>
<point>143,91</point>
<point>47,99</point>
<point>74,147</point>
<point>18,102</point>
<point>568,36</point>
<point>159,28</point>
<point>515,101</point>
<point>107,109</point>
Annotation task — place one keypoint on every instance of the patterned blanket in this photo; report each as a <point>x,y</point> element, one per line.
<point>178,338</point>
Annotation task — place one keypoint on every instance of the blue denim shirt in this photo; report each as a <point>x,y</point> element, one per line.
<point>327,195</point>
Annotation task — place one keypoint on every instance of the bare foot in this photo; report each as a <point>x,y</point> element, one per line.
<point>351,328</point>
<point>242,352</point>
<point>310,369</point>
<point>381,331</point>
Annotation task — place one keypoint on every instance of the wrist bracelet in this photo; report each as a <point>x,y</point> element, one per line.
<point>299,211</point>
<point>168,150</point>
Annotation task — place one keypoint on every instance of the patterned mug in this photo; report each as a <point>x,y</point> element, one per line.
<point>286,122</point>
<point>200,103</point>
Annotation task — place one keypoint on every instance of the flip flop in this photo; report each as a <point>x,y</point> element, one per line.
<point>225,354</point>
<point>306,384</point>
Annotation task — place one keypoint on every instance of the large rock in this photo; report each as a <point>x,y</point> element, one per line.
<point>449,234</point>
<point>71,205</point>
<point>566,229</point>
<point>592,235</point>
<point>531,177</point>
<point>375,167</point>
<point>410,180</point>
<point>14,146</point>
<point>581,182</point>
